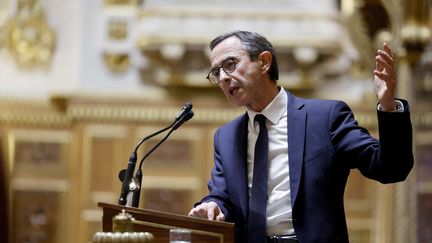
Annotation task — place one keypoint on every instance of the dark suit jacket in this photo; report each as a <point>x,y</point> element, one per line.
<point>324,143</point>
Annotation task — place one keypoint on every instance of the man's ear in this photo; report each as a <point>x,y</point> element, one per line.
<point>265,60</point>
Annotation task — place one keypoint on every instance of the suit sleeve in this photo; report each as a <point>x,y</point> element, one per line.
<point>217,185</point>
<point>388,159</point>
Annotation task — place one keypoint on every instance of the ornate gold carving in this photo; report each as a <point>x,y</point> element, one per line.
<point>416,31</point>
<point>27,35</point>
<point>357,28</point>
<point>117,29</point>
<point>117,237</point>
<point>122,222</point>
<point>60,101</point>
<point>117,63</point>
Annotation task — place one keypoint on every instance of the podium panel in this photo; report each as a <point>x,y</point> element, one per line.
<point>159,224</point>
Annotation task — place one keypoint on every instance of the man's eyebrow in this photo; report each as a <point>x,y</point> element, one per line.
<point>220,64</point>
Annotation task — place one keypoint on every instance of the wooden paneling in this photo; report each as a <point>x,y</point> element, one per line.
<point>424,186</point>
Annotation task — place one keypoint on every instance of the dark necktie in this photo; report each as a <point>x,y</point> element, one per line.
<point>258,200</point>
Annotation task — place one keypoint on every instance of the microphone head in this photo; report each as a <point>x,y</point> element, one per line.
<point>183,119</point>
<point>188,116</point>
<point>185,109</point>
<point>188,106</point>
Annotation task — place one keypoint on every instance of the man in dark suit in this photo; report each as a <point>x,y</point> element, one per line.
<point>310,147</point>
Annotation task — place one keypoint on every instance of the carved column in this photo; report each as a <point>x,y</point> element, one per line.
<point>414,36</point>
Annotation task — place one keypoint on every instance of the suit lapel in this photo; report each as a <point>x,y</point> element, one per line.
<point>296,142</point>
<point>240,163</point>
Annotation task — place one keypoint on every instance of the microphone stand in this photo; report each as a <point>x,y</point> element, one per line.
<point>128,173</point>
<point>138,175</point>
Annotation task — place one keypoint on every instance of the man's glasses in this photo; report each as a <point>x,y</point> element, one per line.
<point>228,66</point>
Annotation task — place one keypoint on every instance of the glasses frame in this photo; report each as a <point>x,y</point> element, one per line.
<point>235,60</point>
<point>216,79</point>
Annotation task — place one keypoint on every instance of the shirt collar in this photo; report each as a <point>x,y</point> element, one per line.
<point>274,110</point>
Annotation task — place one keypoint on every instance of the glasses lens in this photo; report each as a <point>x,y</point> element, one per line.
<point>213,78</point>
<point>214,75</point>
<point>229,66</point>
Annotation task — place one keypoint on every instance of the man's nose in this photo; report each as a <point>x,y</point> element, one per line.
<point>223,76</point>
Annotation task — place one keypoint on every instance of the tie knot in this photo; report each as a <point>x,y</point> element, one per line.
<point>260,118</point>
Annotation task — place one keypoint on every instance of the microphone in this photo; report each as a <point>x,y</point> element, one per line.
<point>184,119</point>
<point>125,175</point>
<point>138,177</point>
<point>186,108</point>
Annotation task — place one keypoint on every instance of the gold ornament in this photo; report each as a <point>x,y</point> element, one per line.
<point>117,63</point>
<point>28,37</point>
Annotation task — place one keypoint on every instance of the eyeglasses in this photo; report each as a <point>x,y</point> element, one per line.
<point>228,66</point>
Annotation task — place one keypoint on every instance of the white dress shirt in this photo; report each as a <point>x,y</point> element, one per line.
<point>279,211</point>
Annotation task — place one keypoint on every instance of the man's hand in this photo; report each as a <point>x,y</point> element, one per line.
<point>385,78</point>
<point>208,210</point>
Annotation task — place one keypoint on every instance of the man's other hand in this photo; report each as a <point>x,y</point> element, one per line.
<point>385,78</point>
<point>208,210</point>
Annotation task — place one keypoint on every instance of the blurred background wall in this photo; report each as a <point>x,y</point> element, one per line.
<point>82,81</point>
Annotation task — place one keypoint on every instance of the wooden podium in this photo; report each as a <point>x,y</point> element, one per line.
<point>159,224</point>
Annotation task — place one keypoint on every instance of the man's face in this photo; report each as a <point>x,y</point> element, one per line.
<point>243,85</point>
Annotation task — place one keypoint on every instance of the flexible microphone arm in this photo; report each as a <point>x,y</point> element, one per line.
<point>186,117</point>
<point>133,157</point>
<point>138,176</point>
<point>186,108</point>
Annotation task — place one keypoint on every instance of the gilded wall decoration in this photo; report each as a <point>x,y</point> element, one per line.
<point>117,38</point>
<point>416,32</point>
<point>116,62</point>
<point>117,29</point>
<point>27,35</point>
<point>3,13</point>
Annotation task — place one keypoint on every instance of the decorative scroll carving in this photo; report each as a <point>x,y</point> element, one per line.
<point>117,63</point>
<point>28,37</point>
<point>117,29</point>
<point>416,31</point>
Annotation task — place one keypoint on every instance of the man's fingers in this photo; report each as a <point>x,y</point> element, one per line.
<point>386,55</point>
<point>384,58</point>
<point>220,217</point>
<point>202,212</point>
<point>387,49</point>
<point>381,75</point>
<point>209,211</point>
<point>198,212</point>
<point>383,62</point>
